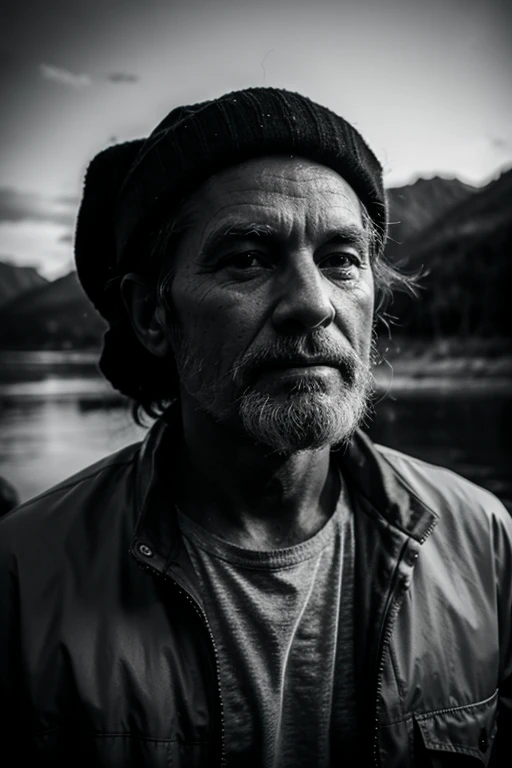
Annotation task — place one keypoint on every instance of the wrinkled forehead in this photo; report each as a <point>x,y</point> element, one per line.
<point>278,191</point>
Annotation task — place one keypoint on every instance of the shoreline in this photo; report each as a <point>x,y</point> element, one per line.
<point>430,372</point>
<point>73,374</point>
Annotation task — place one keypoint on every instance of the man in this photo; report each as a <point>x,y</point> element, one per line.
<point>256,584</point>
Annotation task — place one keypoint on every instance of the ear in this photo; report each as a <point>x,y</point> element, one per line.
<point>146,316</point>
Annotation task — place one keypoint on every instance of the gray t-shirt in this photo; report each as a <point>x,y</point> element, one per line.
<point>282,623</point>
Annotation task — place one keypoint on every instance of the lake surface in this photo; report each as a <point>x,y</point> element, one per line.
<point>57,416</point>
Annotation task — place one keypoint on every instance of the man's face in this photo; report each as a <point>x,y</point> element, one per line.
<point>272,301</point>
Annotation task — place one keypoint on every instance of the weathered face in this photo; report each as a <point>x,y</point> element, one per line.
<point>273,299</point>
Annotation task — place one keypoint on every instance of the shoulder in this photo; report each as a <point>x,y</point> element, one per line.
<point>88,492</point>
<point>457,502</point>
<point>438,484</point>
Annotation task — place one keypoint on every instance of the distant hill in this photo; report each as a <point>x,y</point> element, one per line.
<point>55,315</point>
<point>15,281</point>
<point>414,207</point>
<point>466,254</point>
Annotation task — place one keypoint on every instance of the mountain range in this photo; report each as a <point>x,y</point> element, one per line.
<point>463,256</point>
<point>14,281</point>
<point>415,207</point>
<point>55,315</point>
<point>457,237</point>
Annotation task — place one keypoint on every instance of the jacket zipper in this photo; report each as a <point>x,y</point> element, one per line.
<point>197,608</point>
<point>386,637</point>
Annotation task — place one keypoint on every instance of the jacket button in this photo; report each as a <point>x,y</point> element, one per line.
<point>145,550</point>
<point>482,741</point>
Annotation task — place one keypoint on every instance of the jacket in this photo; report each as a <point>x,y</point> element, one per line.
<point>107,657</point>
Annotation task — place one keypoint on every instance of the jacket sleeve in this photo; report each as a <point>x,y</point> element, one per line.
<point>13,731</point>
<point>502,538</point>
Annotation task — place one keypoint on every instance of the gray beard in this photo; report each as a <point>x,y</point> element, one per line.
<point>307,419</point>
<point>304,418</point>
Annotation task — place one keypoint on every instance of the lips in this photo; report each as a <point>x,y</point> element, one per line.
<point>300,363</point>
<point>301,353</point>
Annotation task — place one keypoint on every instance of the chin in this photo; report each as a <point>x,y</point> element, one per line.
<point>301,421</point>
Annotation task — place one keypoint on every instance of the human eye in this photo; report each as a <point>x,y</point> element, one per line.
<point>340,263</point>
<point>250,261</point>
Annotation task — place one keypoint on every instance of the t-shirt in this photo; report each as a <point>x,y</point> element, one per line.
<point>283,628</point>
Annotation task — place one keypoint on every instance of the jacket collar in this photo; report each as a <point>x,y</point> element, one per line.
<point>157,531</point>
<point>384,492</point>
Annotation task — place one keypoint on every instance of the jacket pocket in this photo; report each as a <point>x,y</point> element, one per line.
<point>466,732</point>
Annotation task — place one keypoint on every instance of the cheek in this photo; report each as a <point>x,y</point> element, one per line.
<point>356,311</point>
<point>215,324</point>
<point>366,304</point>
<point>365,296</point>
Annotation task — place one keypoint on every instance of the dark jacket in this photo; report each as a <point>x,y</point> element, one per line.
<point>107,659</point>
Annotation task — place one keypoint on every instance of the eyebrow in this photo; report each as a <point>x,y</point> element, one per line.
<point>344,235</point>
<point>238,232</point>
<point>348,235</point>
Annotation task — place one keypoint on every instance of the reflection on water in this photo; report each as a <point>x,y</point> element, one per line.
<point>51,426</point>
<point>466,432</point>
<point>44,441</point>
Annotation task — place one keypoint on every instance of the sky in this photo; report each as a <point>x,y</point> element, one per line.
<point>427,84</point>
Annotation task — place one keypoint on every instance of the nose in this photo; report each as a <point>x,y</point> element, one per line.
<point>304,299</point>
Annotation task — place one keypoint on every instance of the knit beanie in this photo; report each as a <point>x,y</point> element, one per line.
<point>130,188</point>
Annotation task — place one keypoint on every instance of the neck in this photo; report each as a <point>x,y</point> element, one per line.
<point>247,494</point>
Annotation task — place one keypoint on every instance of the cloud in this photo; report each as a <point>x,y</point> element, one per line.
<point>36,244</point>
<point>71,200</point>
<point>498,142</point>
<point>122,77</point>
<point>16,206</point>
<point>64,77</point>
<point>74,80</point>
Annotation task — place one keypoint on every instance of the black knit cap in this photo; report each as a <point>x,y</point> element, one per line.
<point>130,188</point>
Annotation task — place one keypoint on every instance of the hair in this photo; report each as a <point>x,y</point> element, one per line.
<point>158,388</point>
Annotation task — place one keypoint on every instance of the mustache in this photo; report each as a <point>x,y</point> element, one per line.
<point>317,348</point>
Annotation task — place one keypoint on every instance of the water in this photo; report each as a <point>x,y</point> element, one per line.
<point>55,419</point>
<point>469,432</point>
<point>51,422</point>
